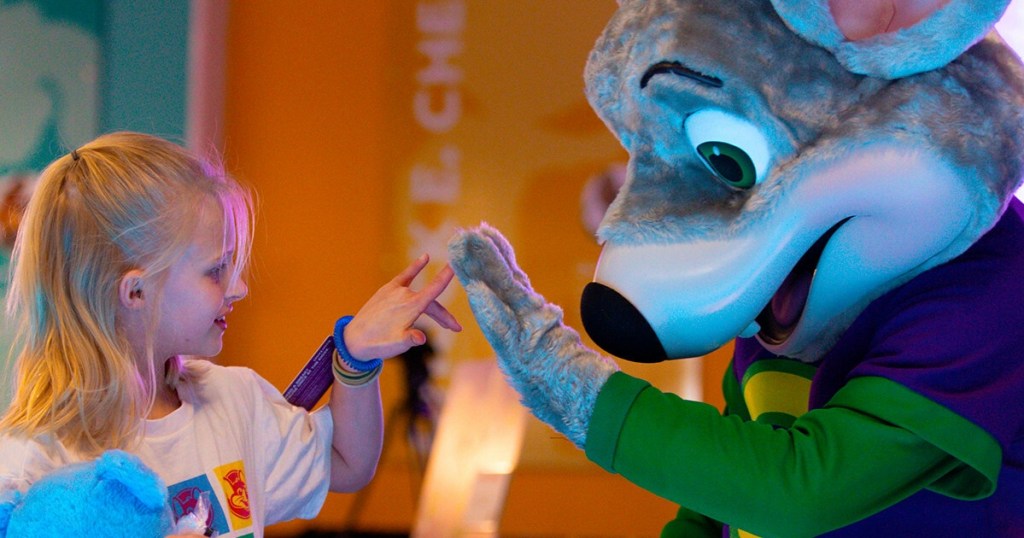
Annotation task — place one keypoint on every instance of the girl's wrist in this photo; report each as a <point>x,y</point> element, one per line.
<point>353,378</point>
<point>349,370</point>
<point>354,351</point>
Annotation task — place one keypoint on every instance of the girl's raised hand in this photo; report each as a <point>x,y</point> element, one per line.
<point>383,327</point>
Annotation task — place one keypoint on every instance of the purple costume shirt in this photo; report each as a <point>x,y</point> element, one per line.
<point>954,335</point>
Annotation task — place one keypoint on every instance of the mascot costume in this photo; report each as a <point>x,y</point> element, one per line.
<point>831,185</point>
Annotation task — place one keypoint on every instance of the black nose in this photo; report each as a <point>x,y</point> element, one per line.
<point>617,326</point>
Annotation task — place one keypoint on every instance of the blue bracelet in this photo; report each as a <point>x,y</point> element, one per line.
<point>348,359</point>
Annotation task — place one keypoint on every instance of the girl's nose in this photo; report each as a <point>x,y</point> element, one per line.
<point>237,290</point>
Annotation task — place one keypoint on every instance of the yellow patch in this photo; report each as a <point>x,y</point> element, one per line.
<point>776,392</point>
<point>236,493</point>
<point>776,387</point>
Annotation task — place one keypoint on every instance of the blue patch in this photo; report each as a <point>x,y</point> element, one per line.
<point>185,497</point>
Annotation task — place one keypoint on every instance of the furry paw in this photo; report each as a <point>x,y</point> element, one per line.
<point>557,377</point>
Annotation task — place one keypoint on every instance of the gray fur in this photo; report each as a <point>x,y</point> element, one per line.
<point>557,377</point>
<point>929,44</point>
<point>812,106</point>
<point>969,110</point>
<point>967,114</point>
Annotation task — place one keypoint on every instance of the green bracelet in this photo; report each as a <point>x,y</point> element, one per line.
<point>350,378</point>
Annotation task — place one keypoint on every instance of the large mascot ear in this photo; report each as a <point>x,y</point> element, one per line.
<point>892,38</point>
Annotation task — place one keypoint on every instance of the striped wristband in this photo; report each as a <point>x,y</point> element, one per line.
<point>351,378</point>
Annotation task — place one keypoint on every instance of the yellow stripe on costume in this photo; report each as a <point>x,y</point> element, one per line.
<point>776,392</point>
<point>780,390</point>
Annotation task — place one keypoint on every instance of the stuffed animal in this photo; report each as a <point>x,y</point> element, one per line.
<point>114,495</point>
<point>828,184</point>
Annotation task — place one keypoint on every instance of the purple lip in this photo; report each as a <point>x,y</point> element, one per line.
<point>781,315</point>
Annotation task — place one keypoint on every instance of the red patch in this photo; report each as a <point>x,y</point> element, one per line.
<point>237,493</point>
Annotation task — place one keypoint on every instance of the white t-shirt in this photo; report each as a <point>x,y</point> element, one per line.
<point>234,438</point>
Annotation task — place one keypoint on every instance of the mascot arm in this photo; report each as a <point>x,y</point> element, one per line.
<point>834,466</point>
<point>557,377</point>
<point>692,525</point>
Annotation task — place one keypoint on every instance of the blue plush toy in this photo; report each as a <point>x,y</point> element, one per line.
<point>114,495</point>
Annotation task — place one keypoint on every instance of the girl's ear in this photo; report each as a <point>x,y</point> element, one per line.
<point>129,289</point>
<point>892,38</point>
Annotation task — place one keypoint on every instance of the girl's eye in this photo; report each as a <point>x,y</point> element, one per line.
<point>218,271</point>
<point>734,150</point>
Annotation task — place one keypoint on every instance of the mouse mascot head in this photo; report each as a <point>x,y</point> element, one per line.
<point>830,184</point>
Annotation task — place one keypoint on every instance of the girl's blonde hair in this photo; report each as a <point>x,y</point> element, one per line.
<point>125,201</point>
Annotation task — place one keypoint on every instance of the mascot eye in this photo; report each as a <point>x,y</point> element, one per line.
<point>733,149</point>
<point>730,163</point>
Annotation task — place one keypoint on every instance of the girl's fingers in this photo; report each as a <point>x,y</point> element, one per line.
<point>437,285</point>
<point>416,337</point>
<point>395,308</point>
<point>409,273</point>
<point>442,316</point>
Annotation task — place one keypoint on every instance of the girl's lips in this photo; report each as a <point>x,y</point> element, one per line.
<point>221,322</point>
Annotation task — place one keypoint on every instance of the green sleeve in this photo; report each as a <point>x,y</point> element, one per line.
<point>838,464</point>
<point>612,407</point>
<point>734,404</point>
<point>690,524</point>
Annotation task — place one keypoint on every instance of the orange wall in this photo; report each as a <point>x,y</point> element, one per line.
<point>303,124</point>
<point>314,120</point>
<point>303,110</point>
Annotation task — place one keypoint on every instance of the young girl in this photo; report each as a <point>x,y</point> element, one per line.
<point>130,257</point>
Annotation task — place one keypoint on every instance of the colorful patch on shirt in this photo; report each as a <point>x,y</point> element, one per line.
<point>236,492</point>
<point>777,391</point>
<point>185,497</point>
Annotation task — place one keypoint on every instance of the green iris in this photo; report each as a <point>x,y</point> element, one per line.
<point>729,163</point>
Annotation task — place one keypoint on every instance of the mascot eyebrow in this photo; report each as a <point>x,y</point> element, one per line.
<point>677,68</point>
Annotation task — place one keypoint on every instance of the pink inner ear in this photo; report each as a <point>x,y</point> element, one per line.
<point>861,19</point>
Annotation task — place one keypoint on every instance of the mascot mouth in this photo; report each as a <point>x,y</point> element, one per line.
<point>781,315</point>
